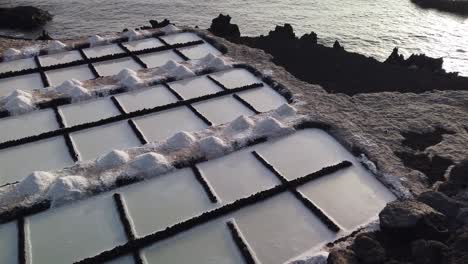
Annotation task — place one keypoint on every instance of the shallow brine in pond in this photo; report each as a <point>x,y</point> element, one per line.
<point>281,228</point>
<point>99,140</point>
<point>18,162</point>
<point>235,78</point>
<point>143,44</point>
<point>9,243</point>
<point>122,260</point>
<point>195,87</point>
<point>263,99</point>
<point>113,67</point>
<point>17,65</point>
<point>162,125</point>
<point>210,243</point>
<point>24,82</point>
<point>89,111</point>
<point>101,51</point>
<point>231,181</point>
<point>158,59</point>
<point>26,125</point>
<point>60,58</point>
<point>73,232</point>
<point>180,38</point>
<point>80,73</point>
<point>199,51</point>
<point>146,98</point>
<point>222,109</point>
<point>165,200</point>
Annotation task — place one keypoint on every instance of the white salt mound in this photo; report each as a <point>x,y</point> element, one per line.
<point>213,62</point>
<point>241,123</point>
<point>11,54</point>
<point>31,51</point>
<point>180,140</point>
<point>269,127</point>
<point>319,258</point>
<point>74,89</point>
<point>169,29</point>
<point>129,78</point>
<point>112,159</point>
<point>18,102</point>
<point>152,161</point>
<point>35,183</point>
<point>96,40</point>
<point>170,65</point>
<point>212,146</point>
<point>182,72</point>
<point>132,34</point>
<point>286,110</point>
<point>67,189</point>
<point>56,45</point>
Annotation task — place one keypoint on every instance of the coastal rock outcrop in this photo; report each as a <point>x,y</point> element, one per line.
<point>23,17</point>
<point>221,26</point>
<point>417,61</point>
<point>453,6</point>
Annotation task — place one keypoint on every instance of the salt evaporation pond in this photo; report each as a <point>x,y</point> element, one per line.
<point>18,162</point>
<point>222,109</point>
<point>143,44</point>
<point>60,58</point>
<point>100,51</point>
<point>122,260</point>
<point>112,67</point>
<point>146,98</point>
<point>181,38</point>
<point>195,87</point>
<point>88,111</point>
<point>9,243</point>
<point>80,73</point>
<point>199,51</point>
<point>161,125</point>
<point>263,99</point>
<point>158,59</point>
<point>76,231</point>
<point>26,82</point>
<point>34,123</point>
<point>98,140</point>
<point>17,65</point>
<point>235,78</point>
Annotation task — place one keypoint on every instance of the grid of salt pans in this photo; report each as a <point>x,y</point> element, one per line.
<point>291,194</point>
<point>56,137</point>
<point>92,62</point>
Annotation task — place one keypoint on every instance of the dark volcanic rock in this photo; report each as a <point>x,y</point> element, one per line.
<point>421,141</point>
<point>156,24</point>
<point>340,71</point>
<point>342,256</point>
<point>428,252</point>
<point>418,61</point>
<point>23,17</point>
<point>409,220</point>
<point>458,247</point>
<point>433,167</point>
<point>222,27</point>
<point>454,6</point>
<point>442,203</point>
<point>44,36</point>
<point>459,173</point>
<point>368,250</point>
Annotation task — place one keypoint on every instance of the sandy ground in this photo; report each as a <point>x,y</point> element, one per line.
<point>370,122</point>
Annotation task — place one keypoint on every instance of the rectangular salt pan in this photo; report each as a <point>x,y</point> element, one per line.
<point>89,111</point>
<point>222,109</point>
<point>158,59</point>
<point>199,51</point>
<point>210,243</point>
<point>235,78</point>
<point>17,65</point>
<point>146,98</point>
<point>180,38</point>
<point>143,44</point>
<point>195,87</point>
<point>113,67</point>
<point>26,82</point>
<point>101,51</point>
<point>122,260</point>
<point>263,99</point>
<point>18,162</point>
<point>165,200</point>
<point>231,181</point>
<point>80,73</point>
<point>76,231</point>
<point>9,243</point>
<point>281,228</point>
<point>161,125</point>
<point>30,124</point>
<point>99,140</point>
<point>60,58</point>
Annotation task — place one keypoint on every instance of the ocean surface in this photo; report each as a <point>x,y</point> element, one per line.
<point>370,27</point>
